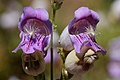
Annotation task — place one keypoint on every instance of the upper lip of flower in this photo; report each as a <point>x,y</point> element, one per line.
<point>81,26</point>
<point>84,20</point>
<point>35,19</point>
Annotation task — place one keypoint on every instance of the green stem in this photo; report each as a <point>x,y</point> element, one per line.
<point>51,62</point>
<point>54,13</point>
<point>53,21</point>
<point>64,73</point>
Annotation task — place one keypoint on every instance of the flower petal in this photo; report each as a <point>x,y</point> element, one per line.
<point>28,49</point>
<point>74,65</point>
<point>82,31</point>
<point>86,13</point>
<point>82,40</point>
<point>30,13</point>
<point>65,40</point>
<point>42,14</point>
<point>82,12</point>
<point>36,30</point>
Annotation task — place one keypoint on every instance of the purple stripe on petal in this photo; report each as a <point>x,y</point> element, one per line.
<point>76,43</point>
<point>84,40</point>
<point>102,50</point>
<point>38,44</point>
<point>28,49</point>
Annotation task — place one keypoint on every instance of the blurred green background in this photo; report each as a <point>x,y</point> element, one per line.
<point>10,11</point>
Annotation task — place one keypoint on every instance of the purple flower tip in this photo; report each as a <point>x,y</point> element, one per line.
<point>90,15</point>
<point>30,13</point>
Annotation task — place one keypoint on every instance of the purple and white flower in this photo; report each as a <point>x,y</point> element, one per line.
<point>81,33</point>
<point>79,38</point>
<point>35,30</point>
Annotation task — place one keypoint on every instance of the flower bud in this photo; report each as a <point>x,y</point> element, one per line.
<point>74,65</point>
<point>57,4</point>
<point>33,64</point>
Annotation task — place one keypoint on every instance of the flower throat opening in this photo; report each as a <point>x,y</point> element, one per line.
<point>81,26</point>
<point>34,26</point>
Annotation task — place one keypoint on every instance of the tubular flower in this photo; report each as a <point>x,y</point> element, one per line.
<point>35,30</point>
<point>81,32</point>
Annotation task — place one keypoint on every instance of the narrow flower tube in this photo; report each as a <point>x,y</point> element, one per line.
<point>82,32</point>
<point>35,30</point>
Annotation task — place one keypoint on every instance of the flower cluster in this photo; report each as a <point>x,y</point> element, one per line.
<point>78,38</point>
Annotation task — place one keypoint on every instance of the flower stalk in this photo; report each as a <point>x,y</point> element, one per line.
<point>53,18</point>
<point>53,21</point>
<point>64,73</point>
<point>56,4</point>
